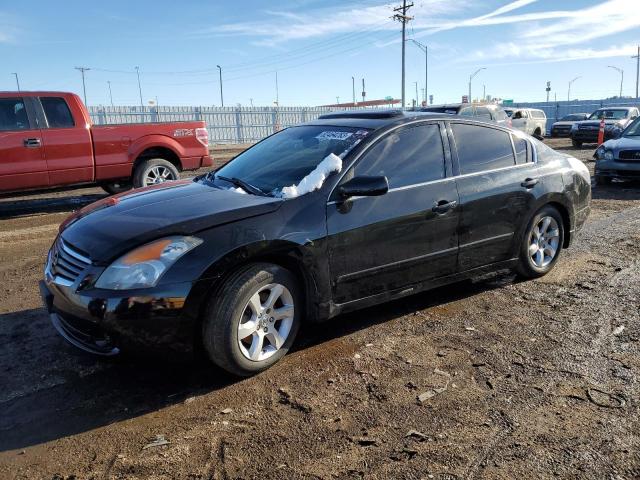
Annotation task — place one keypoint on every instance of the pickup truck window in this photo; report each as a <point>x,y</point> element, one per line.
<point>57,112</point>
<point>13,114</point>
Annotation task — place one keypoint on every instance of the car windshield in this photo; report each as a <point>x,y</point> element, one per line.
<point>284,159</point>
<point>572,118</point>
<point>633,130</point>
<point>609,113</point>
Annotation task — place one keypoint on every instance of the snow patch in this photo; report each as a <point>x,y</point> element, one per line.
<point>315,179</point>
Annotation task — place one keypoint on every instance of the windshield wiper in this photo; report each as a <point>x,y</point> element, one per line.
<point>247,187</point>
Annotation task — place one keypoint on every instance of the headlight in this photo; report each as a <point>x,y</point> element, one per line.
<point>608,155</point>
<point>144,266</point>
<point>574,127</point>
<point>600,152</point>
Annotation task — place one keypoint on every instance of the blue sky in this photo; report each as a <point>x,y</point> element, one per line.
<point>316,46</point>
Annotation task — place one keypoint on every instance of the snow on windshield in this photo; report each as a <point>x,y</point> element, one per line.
<point>315,179</point>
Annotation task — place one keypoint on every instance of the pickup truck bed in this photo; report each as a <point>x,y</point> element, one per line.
<point>47,140</point>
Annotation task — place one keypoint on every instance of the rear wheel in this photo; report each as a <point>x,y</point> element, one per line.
<point>253,319</point>
<point>541,243</point>
<point>154,171</point>
<point>576,143</point>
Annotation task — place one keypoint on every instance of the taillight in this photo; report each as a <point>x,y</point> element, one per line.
<point>202,135</point>
<point>509,124</point>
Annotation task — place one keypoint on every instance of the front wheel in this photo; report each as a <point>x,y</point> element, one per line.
<point>541,243</point>
<point>253,319</point>
<point>576,143</point>
<point>153,172</point>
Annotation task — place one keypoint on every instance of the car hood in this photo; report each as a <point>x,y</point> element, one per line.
<point>596,123</point>
<point>623,143</point>
<point>109,227</point>
<point>566,122</point>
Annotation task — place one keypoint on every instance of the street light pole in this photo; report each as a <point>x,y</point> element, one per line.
<point>221,97</point>
<point>417,99</point>
<point>139,87</point>
<point>353,88</point>
<point>471,78</point>
<point>569,91</point>
<point>110,95</point>
<point>17,81</point>
<point>637,57</point>
<point>425,49</point>
<point>621,72</point>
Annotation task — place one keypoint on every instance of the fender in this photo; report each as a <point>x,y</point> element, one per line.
<point>151,141</point>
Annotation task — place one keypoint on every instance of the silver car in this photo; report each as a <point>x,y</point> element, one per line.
<point>620,157</point>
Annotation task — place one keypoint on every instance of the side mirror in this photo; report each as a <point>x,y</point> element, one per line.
<point>364,187</point>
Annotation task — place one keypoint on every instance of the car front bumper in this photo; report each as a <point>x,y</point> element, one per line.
<point>629,169</point>
<point>107,322</point>
<point>589,136</point>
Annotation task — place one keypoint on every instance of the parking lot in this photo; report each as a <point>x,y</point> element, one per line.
<point>491,379</point>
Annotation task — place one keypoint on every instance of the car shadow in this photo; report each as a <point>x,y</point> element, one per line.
<point>16,206</point>
<point>51,391</point>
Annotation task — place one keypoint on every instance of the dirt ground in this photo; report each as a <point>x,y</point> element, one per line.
<point>533,379</point>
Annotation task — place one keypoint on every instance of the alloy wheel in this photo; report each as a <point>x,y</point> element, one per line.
<point>266,322</point>
<point>544,241</point>
<point>158,174</point>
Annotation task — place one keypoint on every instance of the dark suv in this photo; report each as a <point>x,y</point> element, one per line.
<point>616,120</point>
<point>494,113</point>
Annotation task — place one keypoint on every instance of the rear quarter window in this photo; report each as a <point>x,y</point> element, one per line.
<point>57,112</point>
<point>482,148</point>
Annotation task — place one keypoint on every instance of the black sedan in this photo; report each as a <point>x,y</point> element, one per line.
<point>344,212</point>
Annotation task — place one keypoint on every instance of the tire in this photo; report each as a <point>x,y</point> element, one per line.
<point>576,143</point>
<point>600,180</point>
<point>116,186</point>
<point>153,172</point>
<point>530,267</point>
<point>232,313</point>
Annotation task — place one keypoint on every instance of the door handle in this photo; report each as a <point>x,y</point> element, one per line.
<point>32,142</point>
<point>529,182</point>
<point>443,206</point>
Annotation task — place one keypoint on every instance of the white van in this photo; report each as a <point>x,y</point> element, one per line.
<point>529,120</point>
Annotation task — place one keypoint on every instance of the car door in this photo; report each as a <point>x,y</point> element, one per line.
<point>22,163</point>
<point>67,145</point>
<point>497,183</point>
<point>519,120</point>
<point>379,244</point>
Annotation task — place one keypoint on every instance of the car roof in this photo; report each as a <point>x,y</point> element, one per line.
<point>615,108</point>
<point>378,118</point>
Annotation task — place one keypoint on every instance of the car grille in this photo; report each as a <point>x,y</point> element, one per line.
<point>66,263</point>
<point>588,127</point>
<point>629,155</point>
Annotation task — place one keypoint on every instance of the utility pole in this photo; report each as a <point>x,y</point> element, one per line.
<point>84,88</point>
<point>484,92</point>
<point>569,90</point>
<point>424,96</point>
<point>364,93</point>
<point>621,72</point>
<point>426,67</point>
<point>353,88</point>
<point>251,102</point>
<point>402,17</point>
<point>337,100</point>
<point>637,57</point>
<point>221,97</point>
<point>139,87</point>
<point>471,78</point>
<point>110,95</point>
<point>417,99</point>
<point>17,81</point>
<point>277,91</point>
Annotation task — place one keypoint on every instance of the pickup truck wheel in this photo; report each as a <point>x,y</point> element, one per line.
<point>252,319</point>
<point>154,171</point>
<point>116,187</point>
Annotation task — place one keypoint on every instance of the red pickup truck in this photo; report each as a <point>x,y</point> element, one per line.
<point>47,140</point>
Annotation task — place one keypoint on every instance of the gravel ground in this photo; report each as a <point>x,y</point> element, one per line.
<point>491,379</point>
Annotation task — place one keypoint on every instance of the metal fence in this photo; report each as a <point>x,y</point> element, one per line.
<point>225,125</point>
<point>250,124</point>
<point>556,110</point>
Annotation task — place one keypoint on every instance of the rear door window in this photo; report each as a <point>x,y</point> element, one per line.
<point>13,114</point>
<point>482,148</point>
<point>57,112</point>
<point>521,148</point>
<point>409,156</point>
